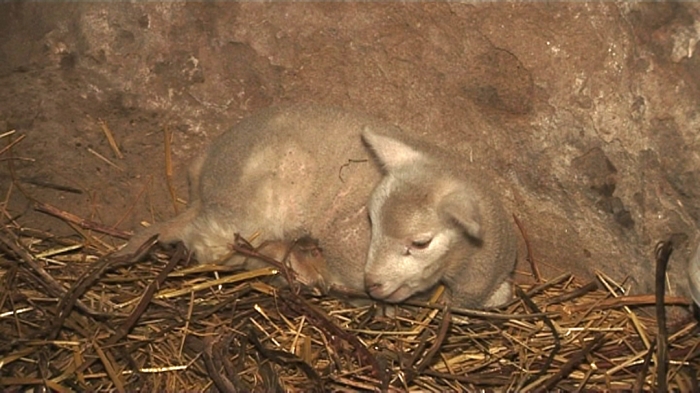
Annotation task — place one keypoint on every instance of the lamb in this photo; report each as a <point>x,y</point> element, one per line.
<point>694,275</point>
<point>393,217</point>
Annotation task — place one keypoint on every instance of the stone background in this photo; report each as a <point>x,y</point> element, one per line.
<point>584,114</point>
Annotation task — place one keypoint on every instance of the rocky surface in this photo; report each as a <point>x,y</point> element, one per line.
<point>585,115</point>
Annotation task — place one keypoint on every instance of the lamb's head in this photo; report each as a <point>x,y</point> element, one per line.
<point>421,215</point>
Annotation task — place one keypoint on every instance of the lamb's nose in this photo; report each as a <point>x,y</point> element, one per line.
<point>372,286</point>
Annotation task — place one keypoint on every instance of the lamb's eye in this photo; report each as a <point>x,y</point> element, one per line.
<point>421,244</point>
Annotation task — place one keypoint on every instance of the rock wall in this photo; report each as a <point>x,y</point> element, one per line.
<point>584,114</point>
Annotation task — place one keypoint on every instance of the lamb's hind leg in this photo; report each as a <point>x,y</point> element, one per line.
<point>168,231</point>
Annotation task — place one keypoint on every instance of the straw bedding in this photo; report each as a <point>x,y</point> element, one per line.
<point>74,318</point>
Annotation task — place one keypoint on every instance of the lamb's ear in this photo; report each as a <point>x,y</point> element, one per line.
<point>391,153</point>
<point>463,209</point>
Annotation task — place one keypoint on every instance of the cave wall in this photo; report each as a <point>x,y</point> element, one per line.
<point>585,115</point>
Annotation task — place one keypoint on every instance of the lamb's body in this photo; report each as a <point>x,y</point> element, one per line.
<point>279,175</point>
<point>285,173</point>
<point>694,275</point>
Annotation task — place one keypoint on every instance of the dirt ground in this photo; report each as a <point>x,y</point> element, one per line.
<point>585,115</point>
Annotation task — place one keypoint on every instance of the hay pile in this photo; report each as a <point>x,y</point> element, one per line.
<point>73,319</point>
